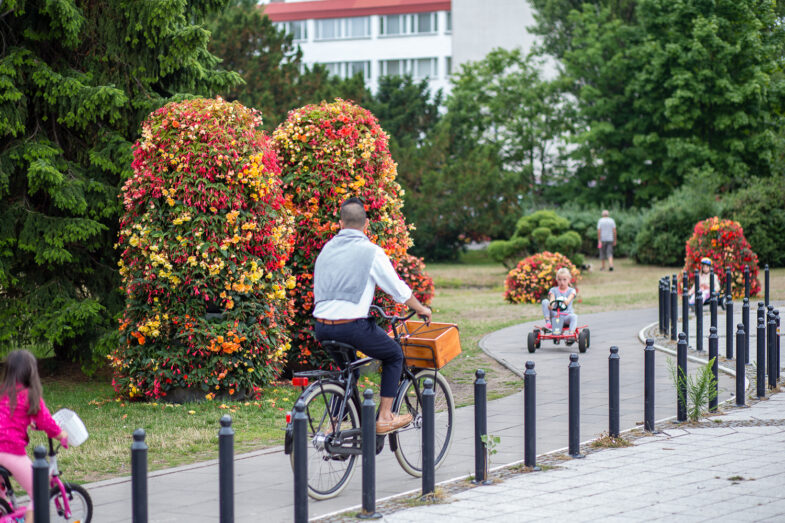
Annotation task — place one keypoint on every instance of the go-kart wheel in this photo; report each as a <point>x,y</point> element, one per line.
<point>583,340</point>
<point>531,342</point>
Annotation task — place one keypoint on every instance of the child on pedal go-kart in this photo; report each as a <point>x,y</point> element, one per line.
<point>560,299</point>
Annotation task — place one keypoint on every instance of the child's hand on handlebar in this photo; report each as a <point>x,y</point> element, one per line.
<point>63,437</point>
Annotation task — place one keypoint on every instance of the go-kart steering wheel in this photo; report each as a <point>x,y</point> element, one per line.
<point>558,305</point>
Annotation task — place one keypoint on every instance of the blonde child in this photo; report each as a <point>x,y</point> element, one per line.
<point>22,405</point>
<point>562,290</point>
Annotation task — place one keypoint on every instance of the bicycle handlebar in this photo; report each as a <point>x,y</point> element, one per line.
<point>392,317</point>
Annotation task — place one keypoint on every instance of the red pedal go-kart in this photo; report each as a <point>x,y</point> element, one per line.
<point>557,332</point>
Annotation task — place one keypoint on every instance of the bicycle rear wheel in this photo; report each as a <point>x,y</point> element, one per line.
<point>79,502</point>
<point>329,473</point>
<point>5,508</point>
<point>408,441</point>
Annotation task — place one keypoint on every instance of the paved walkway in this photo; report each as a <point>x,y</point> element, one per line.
<point>263,480</point>
<point>731,468</point>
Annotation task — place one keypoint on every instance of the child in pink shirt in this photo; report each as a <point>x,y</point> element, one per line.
<point>21,405</point>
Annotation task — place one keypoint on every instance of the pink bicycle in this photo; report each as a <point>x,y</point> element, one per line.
<point>67,501</point>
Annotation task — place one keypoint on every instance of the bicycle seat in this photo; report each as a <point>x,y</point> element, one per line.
<point>343,353</point>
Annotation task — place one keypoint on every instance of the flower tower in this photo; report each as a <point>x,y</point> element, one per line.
<point>533,277</point>
<point>411,269</point>
<point>204,240</point>
<point>329,152</point>
<point>723,242</point>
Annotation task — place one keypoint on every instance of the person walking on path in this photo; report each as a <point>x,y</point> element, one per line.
<point>346,274</point>
<point>606,239</point>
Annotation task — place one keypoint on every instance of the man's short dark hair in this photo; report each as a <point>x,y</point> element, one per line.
<point>353,213</point>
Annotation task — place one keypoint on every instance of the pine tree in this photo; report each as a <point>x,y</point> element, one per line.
<point>76,80</point>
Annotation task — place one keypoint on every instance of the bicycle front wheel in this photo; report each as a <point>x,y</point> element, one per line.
<point>408,441</point>
<point>329,473</point>
<point>79,504</point>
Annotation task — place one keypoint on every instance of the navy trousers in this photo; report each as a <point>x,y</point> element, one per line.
<point>365,336</point>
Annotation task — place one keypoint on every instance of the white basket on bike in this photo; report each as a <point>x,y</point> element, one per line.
<point>73,425</point>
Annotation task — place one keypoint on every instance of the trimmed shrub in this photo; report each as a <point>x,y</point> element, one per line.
<point>411,269</point>
<point>760,209</point>
<point>204,241</point>
<point>537,232</point>
<point>329,152</point>
<point>534,276</point>
<point>724,243</point>
<point>668,225</point>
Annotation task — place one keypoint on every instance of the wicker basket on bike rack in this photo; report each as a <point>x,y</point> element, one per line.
<point>429,346</point>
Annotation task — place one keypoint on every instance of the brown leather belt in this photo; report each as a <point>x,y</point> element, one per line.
<point>336,322</point>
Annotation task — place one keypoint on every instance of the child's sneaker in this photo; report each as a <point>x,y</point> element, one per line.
<point>548,325</point>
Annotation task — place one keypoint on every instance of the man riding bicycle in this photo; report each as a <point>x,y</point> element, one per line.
<point>346,274</point>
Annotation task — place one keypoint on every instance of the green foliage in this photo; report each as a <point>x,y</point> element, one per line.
<point>76,78</point>
<point>668,224</point>
<point>541,231</point>
<point>760,209</point>
<point>700,388</point>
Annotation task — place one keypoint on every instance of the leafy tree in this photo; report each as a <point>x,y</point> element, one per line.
<point>76,78</point>
<point>712,84</point>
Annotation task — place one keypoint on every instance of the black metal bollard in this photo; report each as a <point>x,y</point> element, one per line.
<point>766,284</point>
<point>529,416</point>
<point>648,387</point>
<point>729,327</point>
<point>300,449</point>
<point>428,443</point>
<point>698,320</point>
<point>714,357</point>
<point>760,378</point>
<point>368,417</point>
<point>226,469</point>
<point>574,375</point>
<point>40,486</point>
<point>760,313</point>
<point>747,281</point>
<point>674,310</point>
<point>771,346</point>
<point>777,343</point>
<point>685,305</point>
<point>745,320</point>
<point>666,305</point>
<point>480,427</point>
<point>728,283</point>
<point>661,304</point>
<point>613,393</point>
<point>139,478</point>
<point>740,365</point>
<point>681,378</point>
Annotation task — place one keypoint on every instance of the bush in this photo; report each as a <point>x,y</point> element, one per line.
<point>329,152</point>
<point>537,232</point>
<point>411,269</point>
<point>205,238</point>
<point>534,276</point>
<point>760,209</point>
<point>667,226</point>
<point>723,242</point>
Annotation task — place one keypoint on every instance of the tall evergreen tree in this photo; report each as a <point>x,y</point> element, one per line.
<point>76,79</point>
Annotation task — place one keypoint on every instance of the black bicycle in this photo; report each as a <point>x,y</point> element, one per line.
<point>332,407</point>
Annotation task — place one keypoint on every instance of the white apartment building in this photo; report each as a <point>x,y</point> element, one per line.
<point>424,38</point>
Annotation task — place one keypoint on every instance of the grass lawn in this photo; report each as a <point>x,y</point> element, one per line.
<point>468,293</point>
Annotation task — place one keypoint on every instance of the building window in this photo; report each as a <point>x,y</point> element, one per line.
<point>398,25</point>
<point>348,69</point>
<point>448,29</point>
<point>419,68</point>
<point>298,29</point>
<point>341,28</point>
<point>449,65</point>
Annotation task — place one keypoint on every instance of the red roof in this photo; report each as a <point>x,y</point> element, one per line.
<point>285,12</point>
